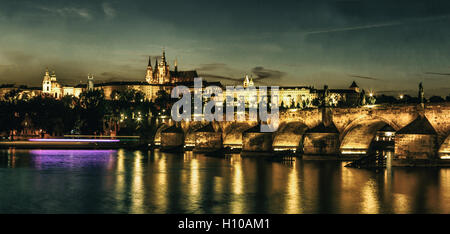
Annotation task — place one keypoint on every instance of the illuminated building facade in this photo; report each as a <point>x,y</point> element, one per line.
<point>160,77</point>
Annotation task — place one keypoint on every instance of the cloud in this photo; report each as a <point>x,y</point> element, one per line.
<point>220,77</point>
<point>264,73</point>
<point>68,11</point>
<point>380,25</point>
<point>437,73</point>
<point>111,76</point>
<point>364,77</point>
<point>218,71</point>
<point>109,11</point>
<point>345,29</point>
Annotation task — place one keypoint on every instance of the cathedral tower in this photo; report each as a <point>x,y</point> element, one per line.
<point>163,70</point>
<point>149,75</point>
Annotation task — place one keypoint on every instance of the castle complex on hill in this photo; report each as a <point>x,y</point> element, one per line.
<point>160,77</point>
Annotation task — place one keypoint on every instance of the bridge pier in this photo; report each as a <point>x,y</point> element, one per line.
<point>172,139</point>
<point>256,143</point>
<point>321,142</point>
<point>207,140</point>
<point>416,144</point>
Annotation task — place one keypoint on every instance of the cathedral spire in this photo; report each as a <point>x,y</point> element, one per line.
<point>176,65</point>
<point>164,55</point>
<point>246,81</point>
<point>149,61</point>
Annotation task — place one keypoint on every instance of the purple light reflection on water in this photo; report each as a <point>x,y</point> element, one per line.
<point>44,159</point>
<point>72,140</point>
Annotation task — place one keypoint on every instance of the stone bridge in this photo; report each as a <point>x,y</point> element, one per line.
<point>339,130</point>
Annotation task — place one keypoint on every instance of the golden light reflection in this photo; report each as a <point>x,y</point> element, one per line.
<point>218,194</point>
<point>237,204</point>
<point>120,179</point>
<point>388,176</point>
<point>11,157</point>
<point>194,184</point>
<point>137,190</point>
<point>349,184</point>
<point>370,203</point>
<point>401,203</point>
<point>444,191</point>
<point>293,194</point>
<point>161,185</point>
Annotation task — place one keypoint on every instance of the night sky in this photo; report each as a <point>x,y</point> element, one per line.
<point>385,46</point>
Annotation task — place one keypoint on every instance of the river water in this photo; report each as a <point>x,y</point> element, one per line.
<point>119,181</point>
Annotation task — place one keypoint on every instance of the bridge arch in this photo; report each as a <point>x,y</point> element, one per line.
<point>157,138</point>
<point>232,133</point>
<point>289,136</point>
<point>359,134</point>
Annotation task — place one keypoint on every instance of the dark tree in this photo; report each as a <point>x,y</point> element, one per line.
<point>436,99</point>
<point>163,100</point>
<point>382,99</point>
<point>93,110</point>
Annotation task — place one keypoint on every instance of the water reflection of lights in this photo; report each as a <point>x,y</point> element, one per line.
<point>370,203</point>
<point>120,179</point>
<point>194,184</point>
<point>293,196</point>
<point>401,203</point>
<point>444,177</point>
<point>161,185</point>
<point>188,155</point>
<point>238,202</point>
<point>72,158</point>
<point>71,152</point>
<point>137,187</point>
